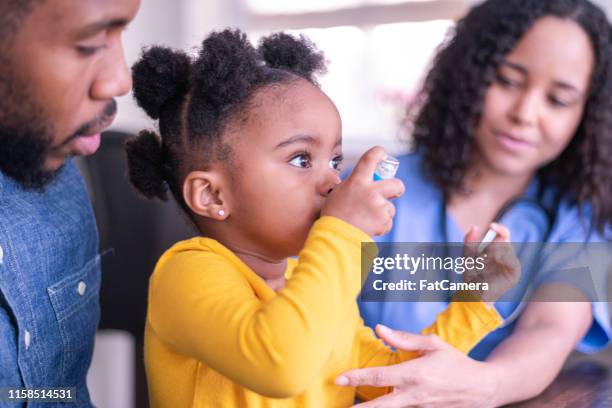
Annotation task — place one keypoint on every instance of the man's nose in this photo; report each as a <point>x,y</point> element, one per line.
<point>114,77</point>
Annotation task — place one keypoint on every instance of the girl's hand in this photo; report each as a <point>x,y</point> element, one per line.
<point>502,268</point>
<point>363,202</point>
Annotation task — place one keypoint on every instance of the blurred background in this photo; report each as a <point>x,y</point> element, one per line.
<point>377,52</point>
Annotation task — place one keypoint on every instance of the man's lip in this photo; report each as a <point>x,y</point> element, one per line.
<point>104,123</point>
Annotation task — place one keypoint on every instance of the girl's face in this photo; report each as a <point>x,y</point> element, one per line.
<point>535,105</point>
<point>287,155</point>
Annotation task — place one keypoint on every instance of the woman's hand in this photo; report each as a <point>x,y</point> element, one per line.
<point>363,202</point>
<point>441,377</point>
<point>502,269</point>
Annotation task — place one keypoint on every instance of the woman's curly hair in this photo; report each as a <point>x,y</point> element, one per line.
<point>195,99</point>
<point>449,107</point>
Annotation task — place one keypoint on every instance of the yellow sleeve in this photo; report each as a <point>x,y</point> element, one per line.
<point>462,324</point>
<point>202,306</point>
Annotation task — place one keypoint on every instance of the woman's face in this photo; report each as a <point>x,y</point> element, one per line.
<point>536,103</point>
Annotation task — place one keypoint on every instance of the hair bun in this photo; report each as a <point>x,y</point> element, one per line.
<point>145,165</point>
<point>296,54</point>
<point>226,68</point>
<point>160,75</point>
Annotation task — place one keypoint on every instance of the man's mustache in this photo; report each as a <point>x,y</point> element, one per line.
<point>109,111</point>
<point>88,128</point>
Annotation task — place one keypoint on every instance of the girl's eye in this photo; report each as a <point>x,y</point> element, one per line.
<point>302,160</point>
<point>336,162</point>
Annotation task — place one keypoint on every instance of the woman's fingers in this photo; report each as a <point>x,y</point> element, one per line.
<point>503,233</point>
<point>409,341</point>
<point>388,376</point>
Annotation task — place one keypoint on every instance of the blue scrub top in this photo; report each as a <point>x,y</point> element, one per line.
<point>418,219</point>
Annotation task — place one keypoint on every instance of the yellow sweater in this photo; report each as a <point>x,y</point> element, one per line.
<point>217,336</point>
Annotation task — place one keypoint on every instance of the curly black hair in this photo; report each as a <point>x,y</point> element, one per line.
<point>196,99</point>
<point>448,109</point>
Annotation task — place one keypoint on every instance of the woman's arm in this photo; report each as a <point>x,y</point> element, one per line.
<point>544,336</point>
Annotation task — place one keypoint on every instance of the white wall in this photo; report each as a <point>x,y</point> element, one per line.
<point>606,5</point>
<point>175,23</point>
<point>183,24</point>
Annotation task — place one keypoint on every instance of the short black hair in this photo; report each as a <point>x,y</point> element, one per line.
<point>449,107</point>
<point>12,13</point>
<point>196,99</point>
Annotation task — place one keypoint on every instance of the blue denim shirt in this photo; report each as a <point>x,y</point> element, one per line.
<point>49,285</point>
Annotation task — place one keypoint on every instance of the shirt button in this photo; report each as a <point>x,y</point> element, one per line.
<point>26,339</point>
<point>81,287</point>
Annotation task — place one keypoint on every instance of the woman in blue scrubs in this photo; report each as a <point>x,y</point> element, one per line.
<point>518,105</point>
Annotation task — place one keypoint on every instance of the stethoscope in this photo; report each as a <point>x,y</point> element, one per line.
<point>550,214</point>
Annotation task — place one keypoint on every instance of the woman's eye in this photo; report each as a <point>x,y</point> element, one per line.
<point>301,160</point>
<point>507,82</point>
<point>558,102</point>
<point>336,162</point>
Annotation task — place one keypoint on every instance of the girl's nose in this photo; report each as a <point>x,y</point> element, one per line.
<point>329,181</point>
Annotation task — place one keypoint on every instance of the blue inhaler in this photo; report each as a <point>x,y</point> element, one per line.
<point>386,169</point>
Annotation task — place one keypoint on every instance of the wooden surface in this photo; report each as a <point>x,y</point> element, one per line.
<point>585,382</point>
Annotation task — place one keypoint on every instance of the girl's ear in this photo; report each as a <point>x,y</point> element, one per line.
<point>205,194</point>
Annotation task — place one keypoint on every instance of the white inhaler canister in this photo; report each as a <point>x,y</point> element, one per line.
<point>386,169</point>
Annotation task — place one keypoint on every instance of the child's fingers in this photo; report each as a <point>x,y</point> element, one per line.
<point>365,167</point>
<point>390,210</point>
<point>391,188</point>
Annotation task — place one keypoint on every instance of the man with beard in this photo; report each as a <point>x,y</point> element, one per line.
<point>61,65</point>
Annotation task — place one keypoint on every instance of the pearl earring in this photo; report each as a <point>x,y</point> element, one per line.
<point>221,213</point>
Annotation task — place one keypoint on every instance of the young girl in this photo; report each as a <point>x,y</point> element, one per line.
<point>250,148</point>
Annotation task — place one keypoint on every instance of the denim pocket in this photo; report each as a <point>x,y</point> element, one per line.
<point>75,300</point>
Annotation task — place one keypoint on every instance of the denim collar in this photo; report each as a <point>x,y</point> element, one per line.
<point>8,185</point>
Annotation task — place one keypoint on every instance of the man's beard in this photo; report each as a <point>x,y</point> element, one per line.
<point>25,138</point>
<point>23,150</point>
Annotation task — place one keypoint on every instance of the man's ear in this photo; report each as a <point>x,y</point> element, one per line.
<point>205,194</point>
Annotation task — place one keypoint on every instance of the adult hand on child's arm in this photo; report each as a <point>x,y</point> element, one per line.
<point>363,202</point>
<point>544,336</point>
<point>442,376</point>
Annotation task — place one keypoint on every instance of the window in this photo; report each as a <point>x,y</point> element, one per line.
<point>294,7</point>
<point>378,52</point>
